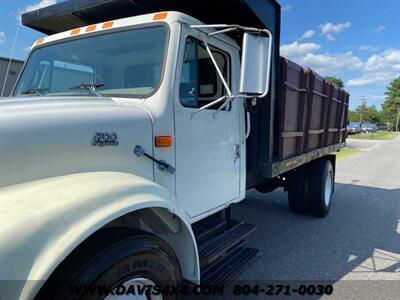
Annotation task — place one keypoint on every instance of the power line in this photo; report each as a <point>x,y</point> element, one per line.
<point>363,103</point>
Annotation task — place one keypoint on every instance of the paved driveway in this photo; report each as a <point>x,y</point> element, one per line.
<point>358,241</point>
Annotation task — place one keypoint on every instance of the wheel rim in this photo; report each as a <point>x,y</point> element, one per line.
<point>328,188</point>
<point>137,284</point>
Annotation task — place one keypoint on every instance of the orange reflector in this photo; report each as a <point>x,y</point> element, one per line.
<point>91,28</point>
<point>164,141</point>
<point>160,16</point>
<point>107,25</point>
<point>40,41</point>
<point>75,31</point>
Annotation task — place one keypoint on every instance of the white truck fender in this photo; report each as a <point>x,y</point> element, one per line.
<point>42,221</point>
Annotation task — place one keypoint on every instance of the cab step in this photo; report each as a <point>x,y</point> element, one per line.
<point>206,230</point>
<point>220,245</point>
<point>227,269</point>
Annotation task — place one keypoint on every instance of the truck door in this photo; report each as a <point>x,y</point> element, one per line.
<point>207,143</point>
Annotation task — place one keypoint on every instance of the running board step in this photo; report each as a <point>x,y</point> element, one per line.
<point>227,269</point>
<point>219,246</point>
<point>204,231</point>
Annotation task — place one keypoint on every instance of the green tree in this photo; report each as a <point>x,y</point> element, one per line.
<point>372,115</point>
<point>352,116</point>
<point>335,80</point>
<point>361,111</point>
<point>391,106</point>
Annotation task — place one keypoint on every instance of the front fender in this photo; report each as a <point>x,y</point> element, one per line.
<point>43,221</point>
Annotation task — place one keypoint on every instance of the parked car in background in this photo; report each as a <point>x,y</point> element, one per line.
<point>363,128</point>
<point>353,128</point>
<point>370,127</point>
<point>383,127</point>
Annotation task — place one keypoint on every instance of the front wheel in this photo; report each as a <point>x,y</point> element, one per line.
<point>115,264</point>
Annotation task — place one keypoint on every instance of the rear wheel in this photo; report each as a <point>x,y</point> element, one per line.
<point>321,186</point>
<point>297,191</point>
<point>116,262</point>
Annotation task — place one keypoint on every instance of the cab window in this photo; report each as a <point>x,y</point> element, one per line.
<point>199,82</point>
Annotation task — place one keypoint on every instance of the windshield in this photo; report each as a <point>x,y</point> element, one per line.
<point>119,64</point>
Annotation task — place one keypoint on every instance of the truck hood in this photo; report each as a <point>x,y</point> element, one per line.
<point>41,138</point>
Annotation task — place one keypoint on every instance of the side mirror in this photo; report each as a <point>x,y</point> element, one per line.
<point>256,65</point>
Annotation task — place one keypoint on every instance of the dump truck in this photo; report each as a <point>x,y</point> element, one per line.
<point>133,128</point>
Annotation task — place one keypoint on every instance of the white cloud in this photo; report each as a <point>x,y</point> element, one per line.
<point>2,37</point>
<point>379,69</point>
<point>370,79</point>
<point>35,6</point>
<point>38,5</point>
<point>308,34</point>
<point>329,63</point>
<point>286,7</point>
<point>329,30</point>
<point>389,59</point>
<point>306,55</point>
<point>297,49</point>
<point>368,48</point>
<point>380,28</point>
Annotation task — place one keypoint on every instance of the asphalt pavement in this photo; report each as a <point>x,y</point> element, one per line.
<point>356,248</point>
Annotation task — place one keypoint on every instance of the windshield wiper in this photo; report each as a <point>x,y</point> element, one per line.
<point>90,87</point>
<point>34,91</point>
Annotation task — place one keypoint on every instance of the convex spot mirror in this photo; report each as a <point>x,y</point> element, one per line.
<point>256,64</point>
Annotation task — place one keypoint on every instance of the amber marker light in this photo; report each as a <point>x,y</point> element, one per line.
<point>160,16</point>
<point>107,25</point>
<point>91,28</point>
<point>40,41</point>
<point>164,141</point>
<point>75,31</point>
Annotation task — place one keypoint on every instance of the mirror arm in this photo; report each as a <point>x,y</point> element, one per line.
<point>223,105</point>
<point>210,104</point>
<point>217,68</point>
<point>222,31</point>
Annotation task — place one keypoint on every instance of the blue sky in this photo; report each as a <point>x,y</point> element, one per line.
<point>356,40</point>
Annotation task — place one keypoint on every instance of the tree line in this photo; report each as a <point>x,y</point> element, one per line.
<point>389,114</point>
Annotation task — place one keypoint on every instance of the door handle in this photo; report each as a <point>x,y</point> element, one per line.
<point>162,165</point>
<point>236,151</point>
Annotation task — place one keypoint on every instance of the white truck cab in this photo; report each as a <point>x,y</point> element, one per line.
<point>154,72</point>
<point>107,120</point>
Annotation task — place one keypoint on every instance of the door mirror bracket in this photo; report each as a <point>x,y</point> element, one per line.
<point>255,63</point>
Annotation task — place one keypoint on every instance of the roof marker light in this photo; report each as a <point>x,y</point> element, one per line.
<point>91,28</point>
<point>40,41</point>
<point>108,25</point>
<point>75,31</point>
<point>160,16</point>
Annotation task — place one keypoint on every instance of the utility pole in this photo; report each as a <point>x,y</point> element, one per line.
<point>398,119</point>
<point>363,102</point>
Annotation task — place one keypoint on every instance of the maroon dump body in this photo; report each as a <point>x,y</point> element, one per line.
<point>312,111</point>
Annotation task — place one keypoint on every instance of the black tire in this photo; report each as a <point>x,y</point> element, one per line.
<point>320,195</point>
<point>297,191</point>
<point>109,258</point>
